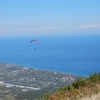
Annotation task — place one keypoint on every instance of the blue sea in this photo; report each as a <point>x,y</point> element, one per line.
<point>76,54</point>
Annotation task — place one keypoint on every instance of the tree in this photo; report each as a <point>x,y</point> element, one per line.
<point>47,95</point>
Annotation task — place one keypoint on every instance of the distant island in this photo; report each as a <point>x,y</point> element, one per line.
<point>16,79</point>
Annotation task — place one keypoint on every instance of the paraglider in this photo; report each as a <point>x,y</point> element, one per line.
<point>34,41</point>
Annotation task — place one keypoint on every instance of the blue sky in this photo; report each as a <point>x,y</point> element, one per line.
<point>49,17</point>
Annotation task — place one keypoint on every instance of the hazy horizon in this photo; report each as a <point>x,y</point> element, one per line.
<point>52,17</point>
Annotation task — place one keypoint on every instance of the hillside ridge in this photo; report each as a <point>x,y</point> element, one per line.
<point>81,89</point>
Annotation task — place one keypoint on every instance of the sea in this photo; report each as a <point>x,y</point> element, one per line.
<point>75,54</point>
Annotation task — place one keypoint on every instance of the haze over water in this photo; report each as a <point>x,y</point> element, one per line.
<point>76,54</point>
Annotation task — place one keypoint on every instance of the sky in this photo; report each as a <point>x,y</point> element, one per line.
<point>49,17</point>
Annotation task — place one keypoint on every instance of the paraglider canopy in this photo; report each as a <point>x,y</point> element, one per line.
<point>34,40</point>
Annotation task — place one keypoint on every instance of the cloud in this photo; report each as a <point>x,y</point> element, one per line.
<point>48,28</point>
<point>93,26</point>
<point>28,29</point>
<point>37,29</point>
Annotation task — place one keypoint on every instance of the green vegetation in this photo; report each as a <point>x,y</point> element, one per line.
<point>79,89</point>
<point>32,95</point>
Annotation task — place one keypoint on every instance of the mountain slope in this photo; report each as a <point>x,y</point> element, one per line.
<point>93,97</point>
<point>88,88</point>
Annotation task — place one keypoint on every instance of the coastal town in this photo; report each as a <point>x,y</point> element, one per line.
<point>18,79</point>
